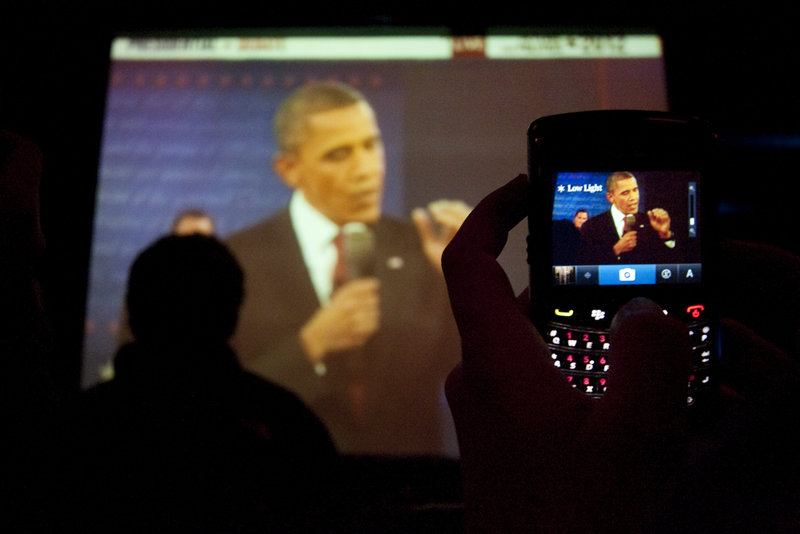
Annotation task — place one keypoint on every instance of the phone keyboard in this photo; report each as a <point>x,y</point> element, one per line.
<point>582,354</point>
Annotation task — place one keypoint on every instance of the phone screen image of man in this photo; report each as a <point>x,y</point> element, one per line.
<point>634,218</point>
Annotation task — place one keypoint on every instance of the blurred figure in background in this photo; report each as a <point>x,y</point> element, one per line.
<point>193,221</point>
<point>30,392</point>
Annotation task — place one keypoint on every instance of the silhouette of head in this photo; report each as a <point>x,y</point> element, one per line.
<point>184,290</point>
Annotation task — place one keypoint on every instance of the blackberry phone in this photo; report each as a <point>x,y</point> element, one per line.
<point>619,207</point>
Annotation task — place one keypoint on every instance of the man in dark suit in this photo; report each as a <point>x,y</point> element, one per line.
<point>623,234</point>
<point>369,355</point>
<point>567,237</point>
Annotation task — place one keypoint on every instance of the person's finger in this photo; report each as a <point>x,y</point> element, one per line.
<point>422,222</point>
<point>745,465</point>
<point>450,213</point>
<point>503,355</point>
<point>481,294</point>
<point>647,391</point>
<point>640,423</point>
<point>650,364</point>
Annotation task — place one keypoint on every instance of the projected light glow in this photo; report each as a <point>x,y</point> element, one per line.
<point>188,125</point>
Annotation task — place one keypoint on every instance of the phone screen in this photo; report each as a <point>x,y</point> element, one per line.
<point>623,228</point>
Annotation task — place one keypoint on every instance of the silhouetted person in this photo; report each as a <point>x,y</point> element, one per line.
<point>183,439</point>
<point>186,222</point>
<point>28,389</point>
<point>23,328</point>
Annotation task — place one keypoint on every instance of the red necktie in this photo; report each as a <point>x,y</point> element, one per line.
<point>340,269</point>
<point>355,389</point>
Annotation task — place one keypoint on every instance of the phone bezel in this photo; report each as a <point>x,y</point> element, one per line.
<point>604,141</point>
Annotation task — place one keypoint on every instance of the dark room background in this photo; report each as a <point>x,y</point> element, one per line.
<point>734,65</point>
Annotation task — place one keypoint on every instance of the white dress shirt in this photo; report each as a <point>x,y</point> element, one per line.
<point>315,234</point>
<point>619,220</point>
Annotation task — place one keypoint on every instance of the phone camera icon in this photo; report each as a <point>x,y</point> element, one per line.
<point>627,275</point>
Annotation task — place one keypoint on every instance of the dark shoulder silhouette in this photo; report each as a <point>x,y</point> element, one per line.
<point>184,438</point>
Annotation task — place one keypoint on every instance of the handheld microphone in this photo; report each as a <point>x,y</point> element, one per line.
<point>630,223</point>
<point>359,250</point>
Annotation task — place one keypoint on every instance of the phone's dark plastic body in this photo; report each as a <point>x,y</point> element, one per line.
<point>575,294</point>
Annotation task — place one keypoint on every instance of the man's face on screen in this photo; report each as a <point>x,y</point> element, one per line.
<point>340,166</point>
<point>625,195</point>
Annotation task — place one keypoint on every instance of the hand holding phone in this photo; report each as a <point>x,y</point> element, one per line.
<point>540,455</point>
<point>534,449</point>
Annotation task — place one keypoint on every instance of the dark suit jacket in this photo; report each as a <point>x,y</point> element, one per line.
<point>402,367</point>
<point>566,240</point>
<point>598,236</point>
<point>193,443</point>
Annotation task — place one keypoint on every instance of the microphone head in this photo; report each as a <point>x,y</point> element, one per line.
<point>630,222</point>
<point>359,250</point>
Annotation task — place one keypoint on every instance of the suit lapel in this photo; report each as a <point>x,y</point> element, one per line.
<point>282,260</point>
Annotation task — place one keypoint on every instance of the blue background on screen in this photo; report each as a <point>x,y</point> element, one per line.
<point>582,190</point>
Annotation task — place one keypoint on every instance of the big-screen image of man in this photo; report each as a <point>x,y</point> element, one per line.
<point>370,355</point>
<point>623,234</point>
